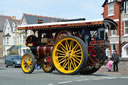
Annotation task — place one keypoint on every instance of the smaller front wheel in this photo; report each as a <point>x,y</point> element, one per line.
<point>28,63</point>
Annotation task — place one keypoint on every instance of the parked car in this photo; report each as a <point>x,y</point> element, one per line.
<point>13,60</point>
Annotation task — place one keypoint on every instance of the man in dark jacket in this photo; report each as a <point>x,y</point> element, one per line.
<point>115,58</point>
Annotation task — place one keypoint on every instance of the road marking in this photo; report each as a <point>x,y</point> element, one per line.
<point>64,82</point>
<point>124,77</point>
<point>109,77</point>
<point>82,80</point>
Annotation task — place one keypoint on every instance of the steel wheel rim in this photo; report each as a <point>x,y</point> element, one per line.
<point>26,63</point>
<point>67,55</point>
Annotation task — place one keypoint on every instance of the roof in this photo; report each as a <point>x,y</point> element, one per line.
<point>70,24</point>
<point>32,19</point>
<point>3,19</point>
<point>107,1</point>
<point>60,24</point>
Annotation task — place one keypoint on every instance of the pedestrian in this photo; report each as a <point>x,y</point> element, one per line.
<point>110,63</point>
<point>115,58</point>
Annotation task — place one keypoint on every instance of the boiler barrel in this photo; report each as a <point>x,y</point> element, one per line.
<point>44,50</point>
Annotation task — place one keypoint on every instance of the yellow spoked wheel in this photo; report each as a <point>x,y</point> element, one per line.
<point>47,67</point>
<point>28,63</point>
<point>69,55</point>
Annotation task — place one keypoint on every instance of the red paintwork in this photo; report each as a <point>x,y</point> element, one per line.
<point>44,50</point>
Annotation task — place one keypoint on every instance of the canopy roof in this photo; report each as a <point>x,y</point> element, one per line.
<point>68,24</point>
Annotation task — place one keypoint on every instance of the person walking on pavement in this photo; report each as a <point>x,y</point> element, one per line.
<point>115,58</point>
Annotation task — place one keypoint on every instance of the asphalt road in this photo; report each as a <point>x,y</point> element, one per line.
<point>15,76</point>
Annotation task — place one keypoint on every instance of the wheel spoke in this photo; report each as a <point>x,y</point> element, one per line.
<point>75,47</point>
<point>65,64</point>
<point>77,51</point>
<point>63,49</point>
<point>76,55</point>
<point>69,64</point>
<point>75,60</point>
<point>72,64</point>
<point>61,59</point>
<point>61,54</point>
<point>60,51</point>
<point>67,45</point>
<point>70,47</point>
<point>63,46</point>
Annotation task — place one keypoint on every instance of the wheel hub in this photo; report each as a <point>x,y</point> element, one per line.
<point>68,54</point>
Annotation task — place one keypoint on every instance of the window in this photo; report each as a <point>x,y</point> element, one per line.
<point>114,48</point>
<point>127,51</point>
<point>126,28</point>
<point>110,9</point>
<point>114,32</point>
<point>101,34</point>
<point>24,40</point>
<point>7,40</point>
<point>126,6</point>
<point>14,40</point>
<point>108,52</point>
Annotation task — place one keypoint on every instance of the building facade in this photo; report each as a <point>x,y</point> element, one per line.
<point>117,10</point>
<point>3,19</point>
<point>9,37</point>
<point>14,40</point>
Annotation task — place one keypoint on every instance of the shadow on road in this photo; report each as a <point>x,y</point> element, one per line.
<point>57,73</point>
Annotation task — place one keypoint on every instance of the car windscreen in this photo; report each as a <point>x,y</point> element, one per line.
<point>16,57</point>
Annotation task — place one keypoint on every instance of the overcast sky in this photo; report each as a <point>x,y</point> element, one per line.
<point>89,9</point>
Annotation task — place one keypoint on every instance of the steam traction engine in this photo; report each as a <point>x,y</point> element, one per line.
<point>70,47</point>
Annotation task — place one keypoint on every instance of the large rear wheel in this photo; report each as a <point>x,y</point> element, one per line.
<point>28,63</point>
<point>69,55</point>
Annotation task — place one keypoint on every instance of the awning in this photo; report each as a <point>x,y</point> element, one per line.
<point>93,24</point>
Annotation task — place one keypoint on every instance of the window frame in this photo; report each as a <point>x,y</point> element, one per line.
<point>125,34</point>
<point>111,8</point>
<point>126,7</point>
<point>113,32</point>
<point>113,48</point>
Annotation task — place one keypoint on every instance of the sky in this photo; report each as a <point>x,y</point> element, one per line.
<point>68,9</point>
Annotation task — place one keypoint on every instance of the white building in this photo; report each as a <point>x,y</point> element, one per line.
<point>9,36</point>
